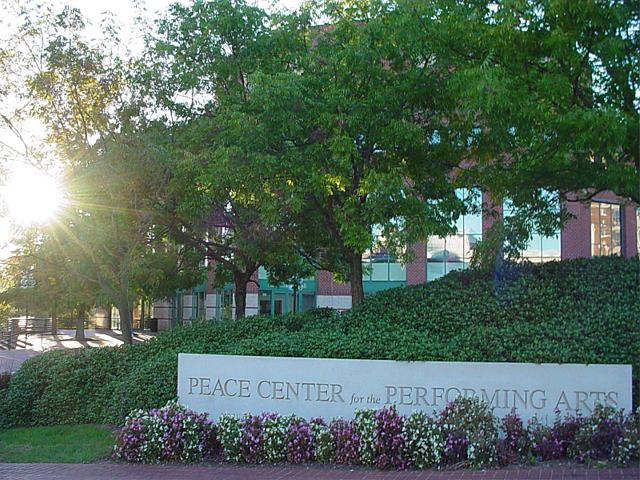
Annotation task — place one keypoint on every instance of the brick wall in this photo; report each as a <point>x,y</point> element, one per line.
<point>326,285</point>
<point>630,230</point>
<point>576,235</point>
<point>252,286</point>
<point>575,239</point>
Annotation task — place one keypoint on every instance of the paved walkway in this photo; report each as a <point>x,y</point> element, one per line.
<point>10,360</point>
<point>106,471</point>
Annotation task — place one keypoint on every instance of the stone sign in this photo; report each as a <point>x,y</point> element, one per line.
<point>312,387</point>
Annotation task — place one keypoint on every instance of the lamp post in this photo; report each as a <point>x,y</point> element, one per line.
<point>26,282</point>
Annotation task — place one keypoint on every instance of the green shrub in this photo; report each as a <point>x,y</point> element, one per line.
<point>424,441</point>
<point>577,311</point>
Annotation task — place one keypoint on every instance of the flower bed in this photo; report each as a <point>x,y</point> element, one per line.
<point>171,433</point>
<point>464,434</point>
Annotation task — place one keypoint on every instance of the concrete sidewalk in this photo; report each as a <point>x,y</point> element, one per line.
<point>10,360</point>
<point>109,471</point>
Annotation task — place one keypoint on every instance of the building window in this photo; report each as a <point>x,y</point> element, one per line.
<point>198,305</point>
<point>280,302</point>
<point>264,302</point>
<point>308,302</point>
<point>379,265</point>
<point>201,306</point>
<point>224,304</point>
<point>454,252</point>
<point>606,229</point>
<point>540,248</point>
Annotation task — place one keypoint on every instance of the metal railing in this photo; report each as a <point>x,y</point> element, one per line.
<point>17,331</point>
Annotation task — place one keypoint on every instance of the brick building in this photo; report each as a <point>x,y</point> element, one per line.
<point>605,226</point>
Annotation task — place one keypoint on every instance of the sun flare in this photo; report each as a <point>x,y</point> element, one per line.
<point>31,196</point>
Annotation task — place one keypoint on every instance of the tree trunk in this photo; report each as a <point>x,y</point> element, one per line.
<point>125,319</point>
<point>82,313</point>
<point>142,326</point>
<point>357,288</point>
<point>240,296</point>
<point>295,298</point>
<point>498,261</point>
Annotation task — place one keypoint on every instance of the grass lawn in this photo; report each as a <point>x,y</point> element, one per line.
<point>59,444</point>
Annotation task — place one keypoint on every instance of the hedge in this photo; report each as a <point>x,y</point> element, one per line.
<point>575,311</point>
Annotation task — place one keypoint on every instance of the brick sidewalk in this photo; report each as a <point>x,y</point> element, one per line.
<point>106,471</point>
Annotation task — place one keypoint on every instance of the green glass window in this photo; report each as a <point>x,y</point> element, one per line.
<point>454,252</point>
<point>540,248</point>
<point>379,265</point>
<point>198,306</point>
<point>264,302</point>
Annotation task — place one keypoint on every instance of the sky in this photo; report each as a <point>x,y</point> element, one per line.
<point>124,11</point>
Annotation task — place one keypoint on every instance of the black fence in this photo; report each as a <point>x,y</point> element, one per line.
<point>16,332</point>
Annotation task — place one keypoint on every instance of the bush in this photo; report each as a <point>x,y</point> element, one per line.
<point>171,433</point>
<point>469,429</point>
<point>627,448</point>
<point>606,435</point>
<point>230,437</point>
<point>347,442</point>
<point>364,427</point>
<point>274,429</point>
<point>380,437</point>
<point>300,441</point>
<point>252,440</point>
<point>389,441</point>
<point>323,442</point>
<point>464,435</point>
<point>264,438</point>
<point>575,311</point>
<point>423,440</point>
<point>552,443</point>
<point>514,446</point>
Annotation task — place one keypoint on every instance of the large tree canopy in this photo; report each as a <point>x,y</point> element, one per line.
<point>286,139</point>
<point>196,66</point>
<point>326,129</point>
<point>107,237</point>
<point>372,119</point>
<point>548,82</point>
<point>549,99</point>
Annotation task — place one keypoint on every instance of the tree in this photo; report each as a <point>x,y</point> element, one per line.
<point>114,173</point>
<point>548,99</point>
<point>340,136</point>
<point>56,283</point>
<point>24,31</point>
<point>219,219</point>
<point>204,53</point>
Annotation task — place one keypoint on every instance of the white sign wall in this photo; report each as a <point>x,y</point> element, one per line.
<point>312,387</point>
